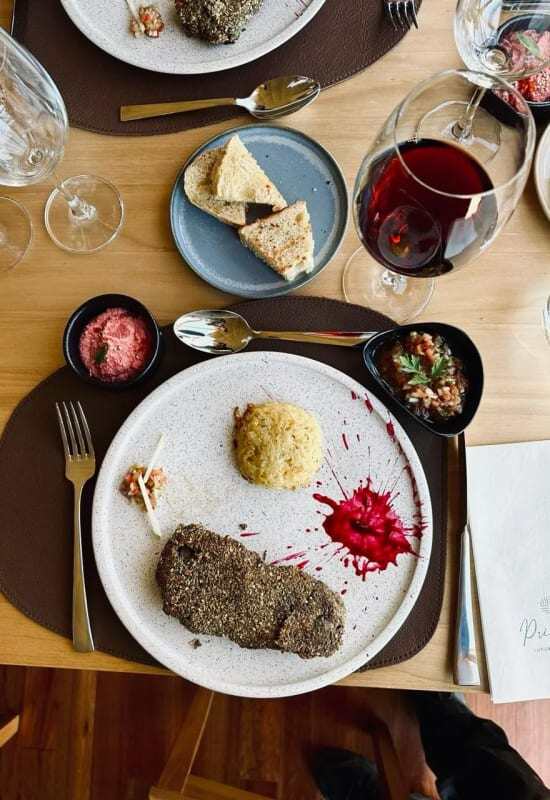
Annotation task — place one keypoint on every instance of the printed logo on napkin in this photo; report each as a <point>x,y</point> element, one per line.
<point>509,500</point>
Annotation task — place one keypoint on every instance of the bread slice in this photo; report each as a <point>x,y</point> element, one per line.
<point>283,240</point>
<point>198,189</point>
<point>238,177</point>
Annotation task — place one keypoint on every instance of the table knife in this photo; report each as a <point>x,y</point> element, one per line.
<point>466,671</point>
<point>12,23</point>
<point>526,5</point>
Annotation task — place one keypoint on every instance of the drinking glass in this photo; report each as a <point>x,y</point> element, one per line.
<point>425,206</point>
<point>508,38</point>
<point>83,213</point>
<point>15,233</point>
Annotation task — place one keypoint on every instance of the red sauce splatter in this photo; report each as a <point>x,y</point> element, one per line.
<point>302,564</point>
<point>291,556</point>
<point>345,440</point>
<point>390,429</point>
<point>369,405</point>
<point>368,527</point>
<point>343,591</point>
<point>250,533</point>
<point>353,395</point>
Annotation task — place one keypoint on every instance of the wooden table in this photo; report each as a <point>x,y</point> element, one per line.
<point>498,300</point>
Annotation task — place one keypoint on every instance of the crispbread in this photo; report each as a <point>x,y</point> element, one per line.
<point>198,189</point>
<point>283,240</point>
<point>237,176</point>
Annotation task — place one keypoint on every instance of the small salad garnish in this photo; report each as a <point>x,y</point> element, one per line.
<point>424,374</point>
<point>143,485</point>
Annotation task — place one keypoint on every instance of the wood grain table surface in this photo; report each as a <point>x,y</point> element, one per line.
<point>498,299</point>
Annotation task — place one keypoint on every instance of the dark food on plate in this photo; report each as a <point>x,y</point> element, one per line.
<point>154,484</point>
<point>214,585</point>
<point>527,47</point>
<point>150,22</point>
<point>115,345</point>
<point>424,374</point>
<point>216,21</point>
<point>278,445</point>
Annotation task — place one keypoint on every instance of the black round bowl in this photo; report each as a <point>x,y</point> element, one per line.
<point>525,22</point>
<point>461,346</point>
<point>91,309</point>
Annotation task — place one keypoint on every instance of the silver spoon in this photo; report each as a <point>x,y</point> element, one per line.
<point>223,332</point>
<point>272,99</point>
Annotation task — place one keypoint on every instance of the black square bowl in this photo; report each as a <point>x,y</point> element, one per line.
<point>461,346</point>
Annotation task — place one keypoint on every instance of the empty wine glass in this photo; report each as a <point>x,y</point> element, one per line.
<point>83,213</point>
<point>15,233</point>
<point>425,206</point>
<point>508,38</point>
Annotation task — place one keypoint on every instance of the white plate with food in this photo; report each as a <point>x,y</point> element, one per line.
<point>181,47</point>
<point>355,541</point>
<point>542,171</point>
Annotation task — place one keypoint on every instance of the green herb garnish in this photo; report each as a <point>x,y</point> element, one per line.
<point>412,365</point>
<point>529,44</point>
<point>101,353</point>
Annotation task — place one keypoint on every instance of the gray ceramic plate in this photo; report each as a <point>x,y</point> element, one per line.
<point>302,170</point>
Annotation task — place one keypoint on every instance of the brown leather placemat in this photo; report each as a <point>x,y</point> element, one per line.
<point>36,509</point>
<point>343,38</point>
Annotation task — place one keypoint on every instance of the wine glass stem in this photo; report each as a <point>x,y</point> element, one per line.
<point>80,210</point>
<point>397,283</point>
<point>462,129</point>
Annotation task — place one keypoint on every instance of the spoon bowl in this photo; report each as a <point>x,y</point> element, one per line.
<point>280,96</point>
<point>216,332</point>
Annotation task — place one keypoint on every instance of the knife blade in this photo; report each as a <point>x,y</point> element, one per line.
<point>12,23</point>
<point>466,670</point>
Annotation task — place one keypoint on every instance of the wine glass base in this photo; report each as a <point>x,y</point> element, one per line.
<point>483,140</point>
<point>91,232</point>
<point>15,233</point>
<point>366,283</point>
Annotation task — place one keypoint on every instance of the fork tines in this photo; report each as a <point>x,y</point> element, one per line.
<point>75,432</point>
<point>402,13</point>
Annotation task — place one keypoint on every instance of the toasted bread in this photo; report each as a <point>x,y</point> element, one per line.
<point>283,240</point>
<point>237,177</point>
<point>198,189</point>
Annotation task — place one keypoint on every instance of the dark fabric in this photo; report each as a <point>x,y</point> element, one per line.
<point>342,775</point>
<point>343,38</point>
<point>470,756</point>
<point>36,509</point>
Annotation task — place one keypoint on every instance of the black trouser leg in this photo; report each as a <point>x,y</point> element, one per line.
<point>471,756</point>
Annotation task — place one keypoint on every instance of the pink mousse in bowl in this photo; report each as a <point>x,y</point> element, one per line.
<point>116,345</point>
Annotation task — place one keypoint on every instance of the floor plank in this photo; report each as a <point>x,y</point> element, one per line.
<point>87,736</point>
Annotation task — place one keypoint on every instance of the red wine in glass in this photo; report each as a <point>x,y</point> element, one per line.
<point>410,218</point>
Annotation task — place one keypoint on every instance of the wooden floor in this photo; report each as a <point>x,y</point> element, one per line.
<point>106,736</point>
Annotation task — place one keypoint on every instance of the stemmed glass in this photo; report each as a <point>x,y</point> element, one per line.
<point>83,213</point>
<point>424,206</point>
<point>507,38</point>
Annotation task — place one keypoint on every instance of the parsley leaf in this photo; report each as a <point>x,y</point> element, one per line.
<point>440,367</point>
<point>412,366</point>
<point>101,353</point>
<point>529,44</point>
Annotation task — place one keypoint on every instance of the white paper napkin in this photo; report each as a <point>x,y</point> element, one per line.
<point>509,500</point>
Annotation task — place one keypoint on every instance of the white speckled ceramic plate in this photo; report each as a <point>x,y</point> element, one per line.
<point>542,171</point>
<point>107,24</point>
<point>302,170</point>
<point>194,409</point>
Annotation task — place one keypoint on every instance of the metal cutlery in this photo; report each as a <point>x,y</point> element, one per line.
<point>272,99</point>
<point>79,468</point>
<point>526,5</point>
<point>224,332</point>
<point>402,13</point>
<point>466,670</point>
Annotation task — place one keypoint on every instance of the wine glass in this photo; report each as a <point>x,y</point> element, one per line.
<point>424,206</point>
<point>15,233</point>
<point>508,38</point>
<point>83,213</point>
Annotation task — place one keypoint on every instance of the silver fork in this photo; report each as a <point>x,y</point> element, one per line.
<point>79,468</point>
<point>402,13</point>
